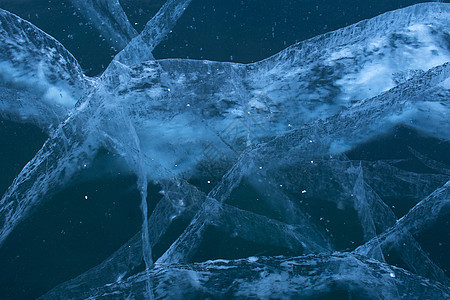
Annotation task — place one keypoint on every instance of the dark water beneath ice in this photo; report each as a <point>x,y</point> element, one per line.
<point>71,234</point>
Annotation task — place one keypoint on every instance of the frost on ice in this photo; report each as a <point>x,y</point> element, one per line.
<point>283,127</point>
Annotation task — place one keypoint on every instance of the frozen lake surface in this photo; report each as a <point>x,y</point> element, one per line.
<point>210,150</point>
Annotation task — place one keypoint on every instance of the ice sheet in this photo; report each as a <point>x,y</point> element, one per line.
<point>283,126</point>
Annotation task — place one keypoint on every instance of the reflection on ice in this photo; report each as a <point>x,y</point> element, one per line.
<point>282,125</point>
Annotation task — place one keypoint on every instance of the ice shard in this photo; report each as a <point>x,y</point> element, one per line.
<point>417,219</point>
<point>109,19</point>
<point>140,49</point>
<point>40,81</point>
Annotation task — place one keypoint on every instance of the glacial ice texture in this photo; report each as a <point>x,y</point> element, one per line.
<point>271,155</point>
